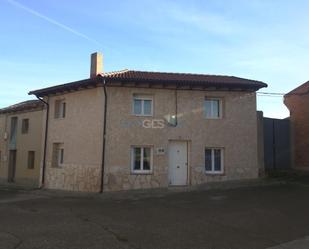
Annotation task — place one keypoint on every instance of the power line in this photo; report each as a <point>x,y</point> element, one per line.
<point>271,93</point>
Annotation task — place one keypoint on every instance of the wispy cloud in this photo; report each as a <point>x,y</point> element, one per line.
<point>52,21</point>
<point>203,20</point>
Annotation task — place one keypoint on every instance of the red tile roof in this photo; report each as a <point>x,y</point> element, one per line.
<point>153,79</point>
<point>131,75</point>
<point>23,106</point>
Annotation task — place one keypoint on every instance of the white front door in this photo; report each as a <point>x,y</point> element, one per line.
<point>178,162</point>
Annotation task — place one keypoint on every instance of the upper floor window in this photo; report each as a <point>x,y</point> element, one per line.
<point>142,105</point>
<point>214,160</point>
<point>25,126</point>
<point>213,108</point>
<point>60,108</point>
<point>141,157</point>
<point>13,132</point>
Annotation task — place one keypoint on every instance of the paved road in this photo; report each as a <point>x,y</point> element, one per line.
<point>248,218</point>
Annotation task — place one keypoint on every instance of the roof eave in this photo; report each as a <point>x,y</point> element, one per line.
<point>253,86</point>
<point>72,86</point>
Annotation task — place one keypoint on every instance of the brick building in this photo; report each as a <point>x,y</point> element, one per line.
<point>297,102</point>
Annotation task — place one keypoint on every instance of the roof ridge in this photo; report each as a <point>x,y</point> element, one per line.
<point>27,104</point>
<point>115,72</point>
<point>173,73</point>
<point>201,74</point>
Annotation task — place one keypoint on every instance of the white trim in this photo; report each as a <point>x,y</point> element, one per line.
<point>141,171</point>
<point>142,98</point>
<point>213,171</point>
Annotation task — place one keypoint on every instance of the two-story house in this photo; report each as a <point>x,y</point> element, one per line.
<point>133,129</point>
<point>21,143</point>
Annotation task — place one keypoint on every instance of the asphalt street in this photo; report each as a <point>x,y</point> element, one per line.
<point>243,218</point>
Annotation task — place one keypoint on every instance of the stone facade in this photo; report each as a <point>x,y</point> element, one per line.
<point>236,133</point>
<point>81,133</point>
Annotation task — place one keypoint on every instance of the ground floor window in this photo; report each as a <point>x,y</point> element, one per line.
<point>58,155</point>
<point>214,160</point>
<point>31,159</point>
<point>141,159</point>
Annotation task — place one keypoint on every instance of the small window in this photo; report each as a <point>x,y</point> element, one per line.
<point>25,126</point>
<point>58,155</point>
<point>142,105</point>
<point>60,109</point>
<point>141,159</point>
<point>213,108</point>
<point>31,159</point>
<point>214,160</point>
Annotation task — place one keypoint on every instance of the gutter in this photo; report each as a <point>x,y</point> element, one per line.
<point>104,136</point>
<point>45,140</point>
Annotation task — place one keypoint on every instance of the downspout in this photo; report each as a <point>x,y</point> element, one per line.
<point>45,140</point>
<point>176,107</point>
<point>104,137</point>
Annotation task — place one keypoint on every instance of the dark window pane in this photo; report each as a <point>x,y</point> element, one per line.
<point>208,160</point>
<point>61,156</point>
<point>57,108</point>
<point>217,159</point>
<point>216,108</point>
<point>25,126</point>
<point>63,109</point>
<point>146,162</point>
<point>31,156</point>
<point>137,106</point>
<point>208,108</point>
<point>147,107</point>
<point>137,158</point>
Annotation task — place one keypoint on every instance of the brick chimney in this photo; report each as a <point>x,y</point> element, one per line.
<point>96,64</point>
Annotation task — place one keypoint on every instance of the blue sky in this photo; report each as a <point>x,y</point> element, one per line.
<point>49,42</point>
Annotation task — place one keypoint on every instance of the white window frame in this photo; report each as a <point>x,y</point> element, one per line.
<point>141,171</point>
<point>142,98</point>
<point>220,107</point>
<point>213,171</point>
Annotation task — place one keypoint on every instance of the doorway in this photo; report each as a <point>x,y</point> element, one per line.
<point>178,163</point>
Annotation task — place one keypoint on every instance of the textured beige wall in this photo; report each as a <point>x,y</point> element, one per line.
<point>24,143</point>
<point>236,132</point>
<point>81,133</point>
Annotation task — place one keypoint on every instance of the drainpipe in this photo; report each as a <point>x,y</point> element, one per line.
<point>104,137</point>
<point>45,140</point>
<point>176,107</point>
